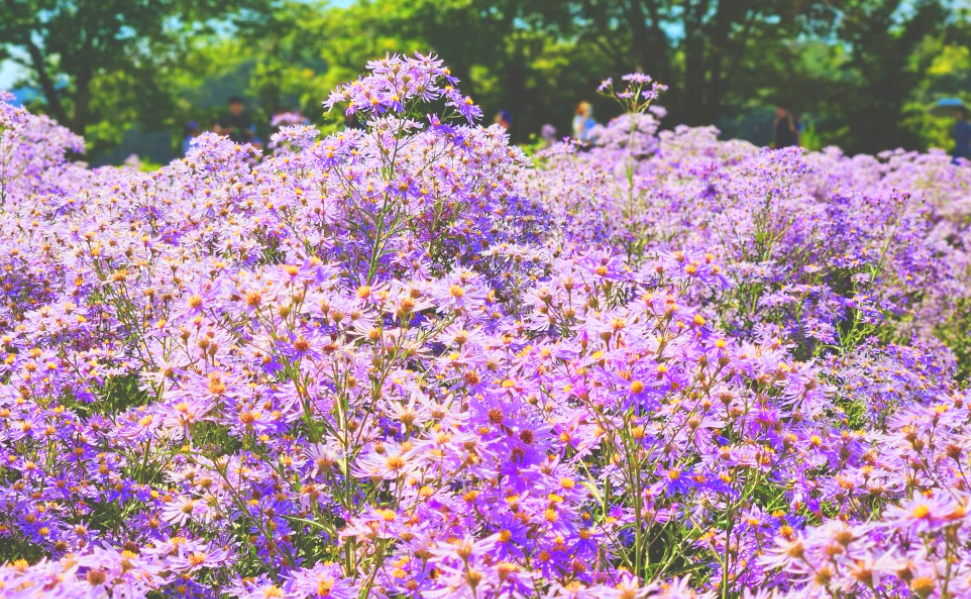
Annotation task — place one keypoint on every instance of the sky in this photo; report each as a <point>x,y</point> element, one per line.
<point>9,73</point>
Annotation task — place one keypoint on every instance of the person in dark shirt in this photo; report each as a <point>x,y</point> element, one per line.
<point>786,128</point>
<point>236,124</point>
<point>961,134</point>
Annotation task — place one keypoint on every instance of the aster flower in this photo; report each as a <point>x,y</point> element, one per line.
<point>455,369</point>
<point>322,580</point>
<point>923,513</point>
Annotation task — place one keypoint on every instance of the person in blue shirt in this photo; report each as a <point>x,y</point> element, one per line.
<point>190,132</point>
<point>504,119</point>
<point>583,122</point>
<point>961,134</point>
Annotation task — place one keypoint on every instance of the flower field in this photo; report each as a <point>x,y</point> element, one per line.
<point>414,361</point>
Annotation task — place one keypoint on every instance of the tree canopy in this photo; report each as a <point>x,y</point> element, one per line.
<point>860,71</point>
<point>101,59</point>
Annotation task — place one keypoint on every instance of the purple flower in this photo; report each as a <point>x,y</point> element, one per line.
<point>410,360</point>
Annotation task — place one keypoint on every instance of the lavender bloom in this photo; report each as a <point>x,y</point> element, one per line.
<point>412,361</point>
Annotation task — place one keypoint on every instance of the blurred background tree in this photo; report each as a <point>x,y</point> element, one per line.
<point>861,72</point>
<point>100,65</point>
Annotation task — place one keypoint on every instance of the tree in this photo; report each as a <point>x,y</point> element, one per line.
<point>508,54</point>
<point>67,44</point>
<point>702,49</point>
<point>883,37</point>
<point>858,68</point>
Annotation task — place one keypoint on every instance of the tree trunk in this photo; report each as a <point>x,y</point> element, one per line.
<point>654,56</point>
<point>515,92</point>
<point>51,94</point>
<point>694,64</point>
<point>82,100</point>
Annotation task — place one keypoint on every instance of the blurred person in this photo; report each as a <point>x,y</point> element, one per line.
<point>189,132</point>
<point>236,124</point>
<point>786,128</point>
<point>583,122</point>
<point>503,119</point>
<point>961,134</point>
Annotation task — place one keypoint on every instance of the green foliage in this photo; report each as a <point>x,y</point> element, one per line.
<point>120,393</point>
<point>105,64</point>
<point>956,335</point>
<point>862,71</point>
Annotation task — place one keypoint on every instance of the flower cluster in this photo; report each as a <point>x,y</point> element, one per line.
<point>410,361</point>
